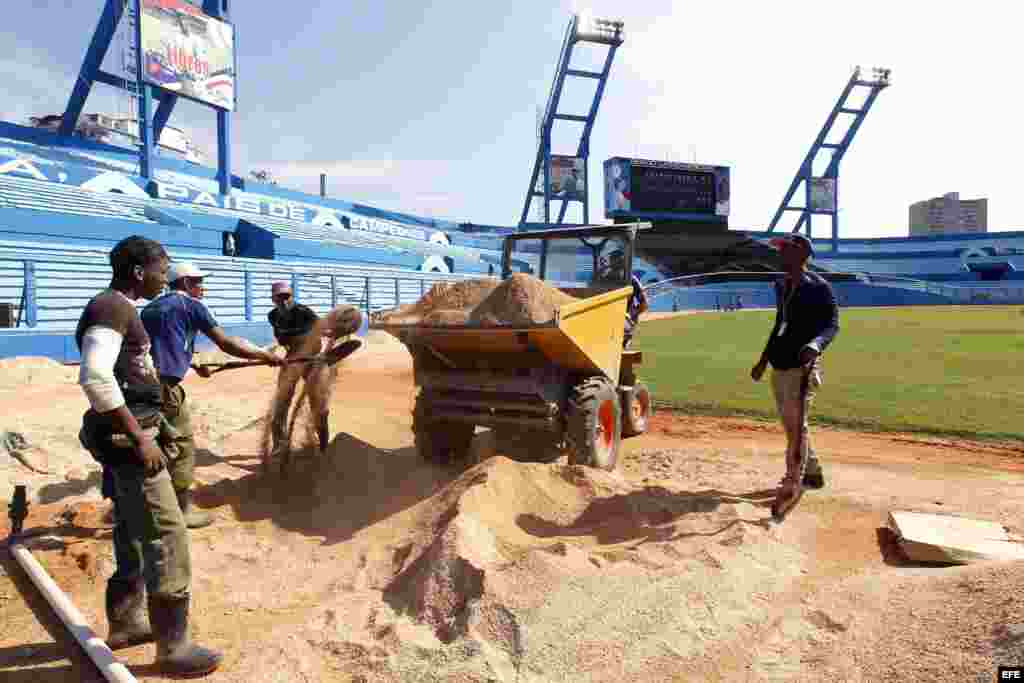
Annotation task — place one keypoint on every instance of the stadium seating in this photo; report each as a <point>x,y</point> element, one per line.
<point>35,195</point>
<point>26,193</point>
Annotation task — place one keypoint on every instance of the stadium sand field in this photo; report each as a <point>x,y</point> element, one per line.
<point>955,370</point>
<point>372,565</point>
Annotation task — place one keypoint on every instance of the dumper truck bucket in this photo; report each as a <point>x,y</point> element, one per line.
<point>585,336</point>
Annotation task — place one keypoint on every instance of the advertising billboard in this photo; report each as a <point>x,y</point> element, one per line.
<point>567,179</point>
<point>823,194</point>
<point>643,188</point>
<point>188,52</point>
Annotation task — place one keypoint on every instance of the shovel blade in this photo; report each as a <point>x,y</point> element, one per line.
<point>342,351</point>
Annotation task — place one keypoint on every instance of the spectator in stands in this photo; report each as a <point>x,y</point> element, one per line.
<point>126,432</point>
<point>806,322</point>
<point>172,322</point>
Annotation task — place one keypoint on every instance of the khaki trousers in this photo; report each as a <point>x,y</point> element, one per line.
<point>786,387</point>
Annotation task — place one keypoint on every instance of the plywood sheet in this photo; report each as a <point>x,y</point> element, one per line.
<point>958,540</point>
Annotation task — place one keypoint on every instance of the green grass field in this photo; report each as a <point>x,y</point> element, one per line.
<point>955,370</point>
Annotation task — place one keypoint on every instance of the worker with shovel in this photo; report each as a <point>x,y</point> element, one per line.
<point>311,351</point>
<point>173,321</point>
<point>806,322</point>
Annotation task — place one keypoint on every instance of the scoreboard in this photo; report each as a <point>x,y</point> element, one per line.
<point>643,188</point>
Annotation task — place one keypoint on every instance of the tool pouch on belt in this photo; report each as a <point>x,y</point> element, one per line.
<point>172,399</point>
<point>106,442</point>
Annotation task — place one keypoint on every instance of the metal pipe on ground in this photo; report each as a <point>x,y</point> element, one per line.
<point>94,646</point>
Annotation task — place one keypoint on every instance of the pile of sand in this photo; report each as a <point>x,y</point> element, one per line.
<point>531,565</point>
<point>26,370</point>
<point>520,300</point>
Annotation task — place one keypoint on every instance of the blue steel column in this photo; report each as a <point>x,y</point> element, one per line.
<point>98,46</point>
<point>163,112</point>
<point>809,159</point>
<point>248,296</point>
<point>584,147</point>
<point>224,151</point>
<point>838,150</point>
<point>552,107</point>
<point>145,102</point>
<point>145,132</point>
<point>219,9</point>
<point>31,308</point>
<point>835,213</point>
<point>547,177</point>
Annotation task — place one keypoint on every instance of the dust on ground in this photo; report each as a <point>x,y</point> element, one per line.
<point>369,565</point>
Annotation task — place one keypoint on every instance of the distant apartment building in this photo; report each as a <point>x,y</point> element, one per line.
<point>948,215</point>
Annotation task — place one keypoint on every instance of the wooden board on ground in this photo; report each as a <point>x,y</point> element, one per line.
<point>957,540</point>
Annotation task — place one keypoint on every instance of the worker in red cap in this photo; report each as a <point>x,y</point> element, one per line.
<point>293,324</point>
<point>806,322</point>
<point>290,319</point>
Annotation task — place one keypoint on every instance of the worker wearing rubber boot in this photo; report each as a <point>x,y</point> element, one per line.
<point>173,321</point>
<point>293,324</point>
<point>806,323</point>
<point>125,430</point>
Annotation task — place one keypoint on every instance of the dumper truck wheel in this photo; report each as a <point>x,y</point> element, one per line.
<point>636,410</point>
<point>594,424</point>
<point>439,441</point>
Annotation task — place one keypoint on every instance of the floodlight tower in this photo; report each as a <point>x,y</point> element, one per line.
<point>139,85</point>
<point>821,194</point>
<point>580,30</point>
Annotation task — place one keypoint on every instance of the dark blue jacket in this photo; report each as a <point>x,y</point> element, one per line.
<point>812,319</point>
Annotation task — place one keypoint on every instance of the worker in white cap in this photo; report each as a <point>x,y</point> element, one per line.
<point>173,321</point>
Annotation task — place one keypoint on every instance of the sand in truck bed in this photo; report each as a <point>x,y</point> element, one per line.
<point>521,300</point>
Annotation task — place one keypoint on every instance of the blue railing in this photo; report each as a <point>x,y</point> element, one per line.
<point>52,290</point>
<point>729,290</point>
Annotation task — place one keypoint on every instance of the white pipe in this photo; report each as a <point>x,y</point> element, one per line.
<point>94,646</point>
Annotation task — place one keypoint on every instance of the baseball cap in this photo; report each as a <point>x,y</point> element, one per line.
<point>280,287</point>
<point>180,269</point>
<point>794,239</point>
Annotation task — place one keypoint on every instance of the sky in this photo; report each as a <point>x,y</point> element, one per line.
<point>431,107</point>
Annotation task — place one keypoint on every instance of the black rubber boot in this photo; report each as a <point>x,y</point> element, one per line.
<point>126,612</point>
<point>175,652</point>
<point>323,433</point>
<point>194,517</point>
<point>814,478</point>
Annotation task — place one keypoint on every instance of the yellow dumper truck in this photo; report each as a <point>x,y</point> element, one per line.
<point>562,385</point>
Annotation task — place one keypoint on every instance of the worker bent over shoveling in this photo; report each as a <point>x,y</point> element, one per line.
<point>806,322</point>
<point>303,334</point>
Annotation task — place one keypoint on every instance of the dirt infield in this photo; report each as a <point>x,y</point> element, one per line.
<point>369,565</point>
